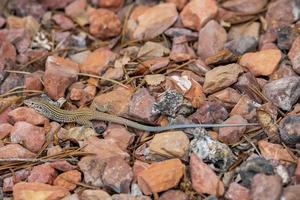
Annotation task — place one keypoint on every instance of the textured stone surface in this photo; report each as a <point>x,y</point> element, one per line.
<point>15,151</point>
<point>42,174</point>
<point>28,115</point>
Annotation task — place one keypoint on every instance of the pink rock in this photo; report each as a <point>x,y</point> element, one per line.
<point>245,6</point>
<point>212,38</point>
<point>4,118</point>
<point>62,165</point>
<point>228,96</point>
<point>19,176</point>
<point>110,4</point>
<point>95,194</point>
<point>54,150</point>
<point>204,179</point>
<point>55,4</point>
<point>104,23</point>
<point>230,135</point>
<point>59,75</point>
<point>237,192</point>
<point>274,151</point>
<point>145,25</point>
<point>82,93</point>
<point>42,174</point>
<point>34,81</point>
<point>28,115</point>
<point>64,22</point>
<point>129,197</point>
<point>26,191</point>
<point>294,54</point>
<point>97,62</point>
<point>76,8</point>
<point>297,172</point>
<point>246,108</point>
<point>265,187</point>
<point>117,175</point>
<point>15,151</point>
<point>120,134</point>
<point>181,51</point>
<point>2,21</point>
<point>138,167</point>
<point>179,3</point>
<point>174,194</point>
<point>197,12</point>
<point>33,137</point>
<point>5,130</point>
<point>68,179</point>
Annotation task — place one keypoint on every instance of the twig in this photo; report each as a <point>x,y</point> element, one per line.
<point>33,160</point>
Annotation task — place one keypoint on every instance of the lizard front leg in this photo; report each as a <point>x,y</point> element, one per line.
<point>85,123</point>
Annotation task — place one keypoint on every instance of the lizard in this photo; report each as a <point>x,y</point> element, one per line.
<point>83,116</point>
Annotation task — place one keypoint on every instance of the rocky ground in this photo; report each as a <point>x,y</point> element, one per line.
<point>158,63</point>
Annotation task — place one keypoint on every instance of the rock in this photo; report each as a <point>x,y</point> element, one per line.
<point>10,181</point>
<point>4,118</point>
<point>178,32</point>
<point>228,96</point>
<point>64,22</point>
<point>297,171</point>
<point>169,144</point>
<point>104,23</point>
<point>265,187</point>
<point>15,151</point>
<point>12,81</point>
<point>71,197</point>
<point>154,64</point>
<point>141,105</point>
<point>174,194</point>
<point>5,130</point>
<point>285,37</point>
<point>209,44</point>
<point>289,131</point>
<point>54,150</point>
<point>245,6</point>
<point>274,151</point>
<point>237,192</point>
<point>103,148</point>
<point>283,92</point>
<point>82,93</point>
<point>204,179</point>
<point>114,102</point>
<point>179,3</point>
<point>33,81</point>
<point>254,166</point>
<point>146,25</point>
<point>31,136</point>
<point>77,134</point>
<point>284,70</point>
<point>119,134</point>
<point>68,180</point>
<point>129,197</point>
<point>291,192</point>
<point>138,167</point>
<point>261,63</point>
<point>181,51</point>
<point>2,21</point>
<point>209,112</point>
<point>197,12</point>
<point>294,54</point>
<point>117,175</point>
<point>246,108</point>
<point>28,191</point>
<point>76,8</point>
<point>95,195</point>
<point>244,30</point>
<point>62,165</point>
<point>60,73</point>
<point>97,62</point>
<point>110,4</point>
<point>152,50</point>
<point>28,115</point>
<point>92,168</point>
<point>43,173</point>
<point>241,45</point>
<point>160,176</point>
<point>231,135</point>
<point>221,77</point>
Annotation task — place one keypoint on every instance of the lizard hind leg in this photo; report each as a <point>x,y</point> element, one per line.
<point>86,123</point>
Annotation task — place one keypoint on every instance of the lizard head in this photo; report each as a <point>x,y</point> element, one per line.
<point>35,103</point>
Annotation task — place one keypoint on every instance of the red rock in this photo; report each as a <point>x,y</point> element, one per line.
<point>19,176</point>
<point>129,197</point>
<point>209,44</point>
<point>265,187</point>
<point>82,93</point>
<point>237,192</point>
<point>5,130</point>
<point>145,25</point>
<point>138,167</point>
<point>62,165</point>
<point>246,108</point>
<point>28,115</point>
<point>28,191</point>
<point>181,51</point>
<point>110,4</point>
<point>228,96</point>
<point>4,118</point>
<point>103,148</point>
<point>15,151</point>
<point>284,70</point>
<point>59,75</point>
<point>245,6</point>
<point>33,137</point>
<point>197,12</point>
<point>76,8</point>
<point>95,195</point>
<point>231,135</point>
<point>221,77</point>
<point>104,23</point>
<point>2,21</point>
<point>119,134</point>
<point>97,62</point>
<point>294,54</point>
<point>204,179</point>
<point>141,105</point>
<point>151,50</point>
<point>160,176</point>
<point>42,174</point>
<point>54,150</point>
<point>92,168</point>
<point>251,30</point>
<point>68,179</point>
<point>179,3</point>
<point>154,64</point>
<point>297,172</point>
<point>274,151</point>
<point>291,192</point>
<point>263,62</point>
<point>174,194</point>
<point>117,175</point>
<point>64,22</point>
<point>33,81</point>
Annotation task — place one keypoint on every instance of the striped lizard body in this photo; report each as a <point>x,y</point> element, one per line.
<point>83,116</point>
